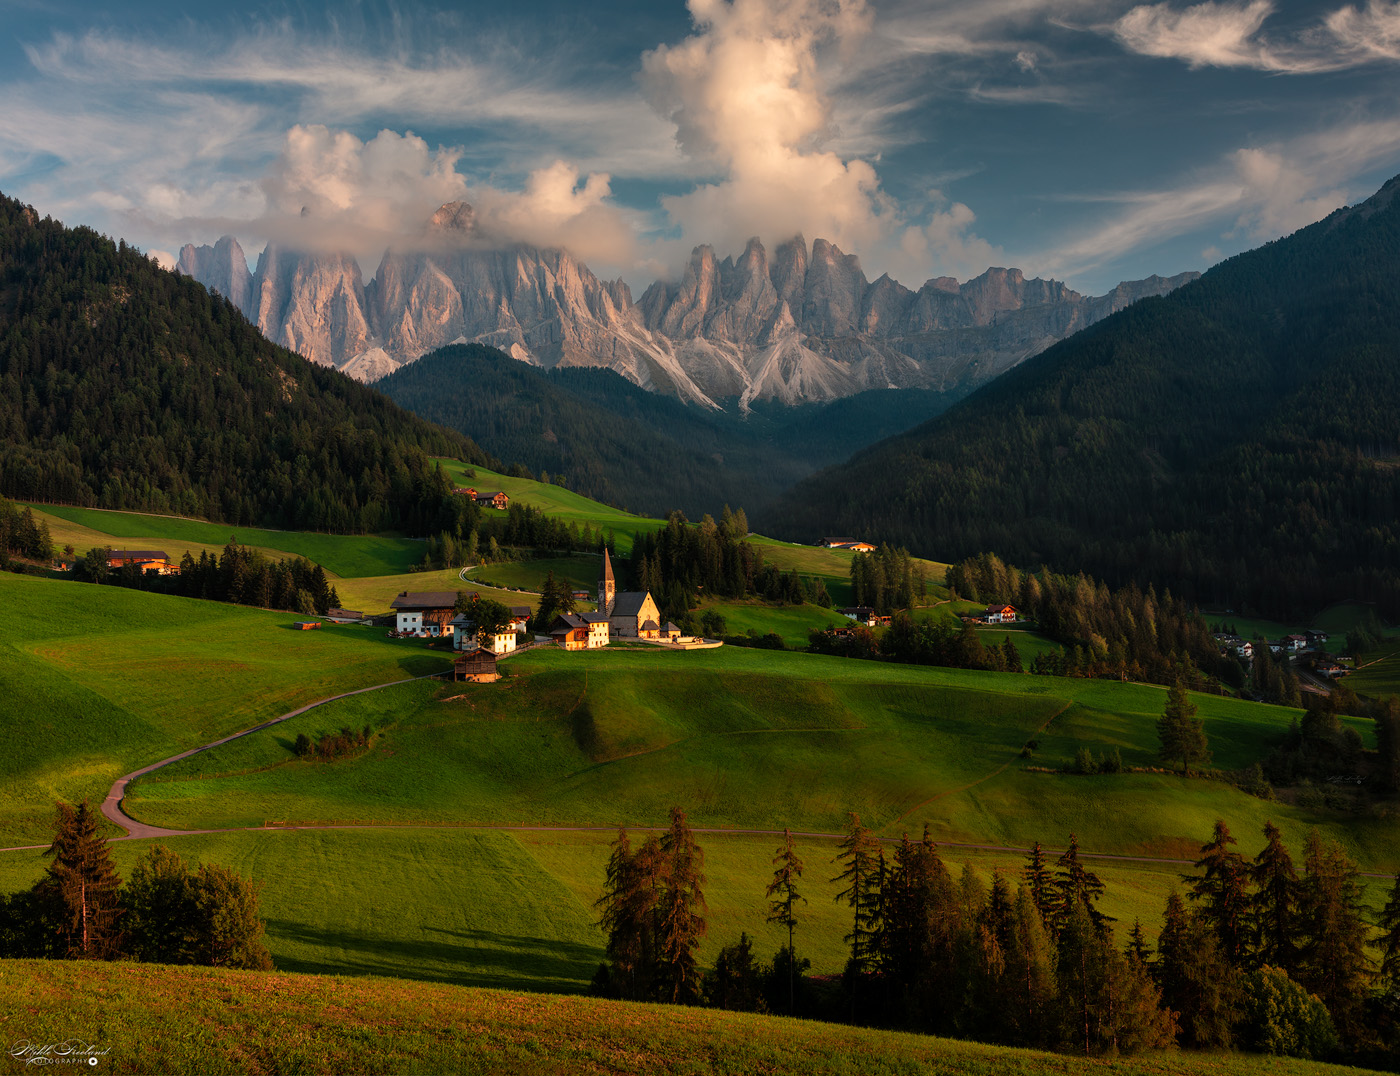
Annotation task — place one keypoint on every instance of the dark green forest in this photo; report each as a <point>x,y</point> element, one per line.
<point>596,432</point>
<point>1237,441</point>
<point>126,386</point>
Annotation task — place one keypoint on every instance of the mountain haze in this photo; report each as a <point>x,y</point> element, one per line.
<point>804,325</point>
<point>1238,439</point>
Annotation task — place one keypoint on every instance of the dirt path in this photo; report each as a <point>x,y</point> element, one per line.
<point>112,805</point>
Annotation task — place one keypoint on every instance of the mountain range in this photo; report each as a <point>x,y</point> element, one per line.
<point>1237,440</point>
<point>804,325</point>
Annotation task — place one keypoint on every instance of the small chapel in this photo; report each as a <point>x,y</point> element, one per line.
<point>632,614</point>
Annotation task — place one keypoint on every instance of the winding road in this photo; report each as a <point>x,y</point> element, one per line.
<point>137,830</point>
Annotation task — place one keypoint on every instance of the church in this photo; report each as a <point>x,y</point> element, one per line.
<point>631,614</point>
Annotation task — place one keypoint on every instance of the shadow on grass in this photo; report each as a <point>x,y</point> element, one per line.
<point>474,958</point>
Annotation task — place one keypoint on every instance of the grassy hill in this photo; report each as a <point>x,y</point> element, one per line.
<point>175,1020</point>
<point>103,680</point>
<point>755,739</point>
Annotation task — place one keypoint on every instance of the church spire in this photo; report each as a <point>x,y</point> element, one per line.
<point>607,587</point>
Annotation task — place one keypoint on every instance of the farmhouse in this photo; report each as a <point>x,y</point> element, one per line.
<point>854,544</point>
<point>496,499</point>
<point>632,614</point>
<point>150,560</point>
<point>465,491</point>
<point>1001,614</point>
<point>476,667</point>
<point>519,617</point>
<point>1295,643</point>
<point>861,614</point>
<point>835,543</point>
<point>428,611</point>
<point>574,631</point>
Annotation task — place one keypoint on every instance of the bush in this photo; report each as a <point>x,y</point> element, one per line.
<point>1283,1018</point>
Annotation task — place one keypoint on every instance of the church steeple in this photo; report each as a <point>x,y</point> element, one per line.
<point>607,587</point>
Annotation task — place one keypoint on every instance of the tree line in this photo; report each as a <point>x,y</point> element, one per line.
<point>1256,954</point>
<point>165,913</point>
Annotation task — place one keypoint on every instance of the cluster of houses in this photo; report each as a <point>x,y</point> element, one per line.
<point>1308,649</point>
<point>493,499</point>
<point>863,614</point>
<point>620,615</point>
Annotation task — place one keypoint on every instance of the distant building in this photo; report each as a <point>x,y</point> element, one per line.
<point>150,560</point>
<point>861,614</point>
<point>632,614</point>
<point>496,499</point>
<point>501,642</point>
<point>519,617</point>
<point>570,631</point>
<point>854,544</point>
<point>834,543</point>
<point>476,666</point>
<point>1295,643</point>
<point>858,547</point>
<point>1001,614</point>
<point>428,611</point>
<point>465,491</point>
<point>344,616</point>
<point>307,625</point>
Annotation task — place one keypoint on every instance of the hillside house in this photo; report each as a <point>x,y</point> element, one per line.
<point>430,611</point>
<point>835,543</point>
<point>344,616</point>
<point>1317,639</point>
<point>1001,614</point>
<point>570,631</point>
<point>580,595</point>
<point>858,547</point>
<point>476,667</point>
<point>1245,651</point>
<point>861,614</point>
<point>496,499</point>
<point>501,642</point>
<point>149,560</point>
<point>519,618</point>
<point>1295,644</point>
<point>465,491</point>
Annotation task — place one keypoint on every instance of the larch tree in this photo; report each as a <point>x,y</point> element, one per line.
<point>681,912</point>
<point>782,908</point>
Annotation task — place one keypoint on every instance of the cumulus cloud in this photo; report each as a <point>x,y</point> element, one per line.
<point>747,99</point>
<point>560,207</point>
<point>1215,34</point>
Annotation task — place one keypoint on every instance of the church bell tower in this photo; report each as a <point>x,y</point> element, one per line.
<point>607,587</point>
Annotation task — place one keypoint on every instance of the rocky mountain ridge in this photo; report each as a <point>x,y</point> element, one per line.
<point>803,325</point>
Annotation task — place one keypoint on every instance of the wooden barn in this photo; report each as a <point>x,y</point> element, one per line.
<point>475,667</point>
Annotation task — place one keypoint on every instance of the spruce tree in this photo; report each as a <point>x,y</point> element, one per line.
<point>1223,891</point>
<point>1334,965</point>
<point>1389,942</point>
<point>782,909</point>
<point>1273,913</point>
<point>1075,885</point>
<point>83,887</point>
<point>1181,734</point>
<point>681,912</point>
<point>859,856</point>
<point>1041,883</point>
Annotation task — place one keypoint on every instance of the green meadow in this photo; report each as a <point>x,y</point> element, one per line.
<point>579,570</point>
<point>747,739</point>
<point>153,1019</point>
<point>345,555</point>
<point>792,622</point>
<point>372,594</point>
<point>1378,673</point>
<point>102,680</point>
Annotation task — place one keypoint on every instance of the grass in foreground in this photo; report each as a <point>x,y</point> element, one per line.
<point>154,1019</point>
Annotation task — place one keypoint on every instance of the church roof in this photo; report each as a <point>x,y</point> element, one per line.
<point>607,567</point>
<point>630,602</point>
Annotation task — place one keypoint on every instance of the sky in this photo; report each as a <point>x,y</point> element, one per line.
<point>1089,140</point>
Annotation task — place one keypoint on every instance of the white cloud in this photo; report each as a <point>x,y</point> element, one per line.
<point>1208,34</point>
<point>1258,193</point>
<point>1215,34</point>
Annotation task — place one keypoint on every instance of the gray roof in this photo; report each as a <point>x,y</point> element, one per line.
<point>651,625</point>
<point>671,627</point>
<point>566,622</point>
<point>595,618</point>
<point>425,599</point>
<point>629,602</point>
<point>139,554</point>
<point>519,610</point>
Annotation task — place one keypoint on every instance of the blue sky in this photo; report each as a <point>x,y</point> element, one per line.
<point>1090,140</point>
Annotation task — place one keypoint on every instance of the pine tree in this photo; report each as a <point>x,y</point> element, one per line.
<point>1075,885</point>
<point>1041,883</point>
<point>1138,949</point>
<point>1223,891</point>
<point>83,886</point>
<point>782,908</point>
<point>1198,983</point>
<point>626,915</point>
<point>1273,913</point>
<point>1181,733</point>
<point>1389,942</point>
<point>681,912</point>
<point>859,852</point>
<point>1334,963</point>
<point>1028,984</point>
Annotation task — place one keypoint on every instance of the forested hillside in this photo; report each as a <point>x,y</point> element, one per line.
<point>616,442</point>
<point>1237,441</point>
<point>123,385</point>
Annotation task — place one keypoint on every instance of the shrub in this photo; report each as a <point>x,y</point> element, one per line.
<point>1283,1018</point>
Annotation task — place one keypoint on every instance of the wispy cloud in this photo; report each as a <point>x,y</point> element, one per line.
<point>1224,34</point>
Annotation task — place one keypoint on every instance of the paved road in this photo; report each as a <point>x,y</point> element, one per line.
<point>112,805</point>
<point>135,830</point>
